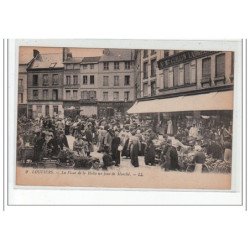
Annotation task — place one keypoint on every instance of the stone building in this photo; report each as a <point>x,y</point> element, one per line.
<point>45,85</point>
<point>189,83</point>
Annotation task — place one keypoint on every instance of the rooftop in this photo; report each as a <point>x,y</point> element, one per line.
<point>93,59</point>
<point>117,55</point>
<point>46,61</point>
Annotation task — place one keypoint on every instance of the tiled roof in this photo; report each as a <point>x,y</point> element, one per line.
<point>73,60</point>
<point>117,55</point>
<point>93,59</point>
<point>46,61</point>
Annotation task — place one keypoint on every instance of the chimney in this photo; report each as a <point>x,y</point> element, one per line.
<point>65,53</point>
<point>35,53</point>
<point>106,52</point>
<point>69,55</point>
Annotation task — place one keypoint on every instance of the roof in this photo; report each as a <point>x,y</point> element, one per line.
<point>46,61</point>
<point>117,55</point>
<point>73,60</point>
<point>94,59</point>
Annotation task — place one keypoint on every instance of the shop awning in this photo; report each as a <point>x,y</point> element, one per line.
<point>209,101</point>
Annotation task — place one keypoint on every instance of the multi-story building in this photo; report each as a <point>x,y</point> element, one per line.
<point>151,75</point>
<point>115,81</point>
<point>45,85</point>
<point>190,83</point>
<point>101,85</point>
<point>22,89</point>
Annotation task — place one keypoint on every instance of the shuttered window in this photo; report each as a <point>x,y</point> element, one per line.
<point>176,75</point>
<point>206,67</point>
<point>220,65</point>
<point>165,78</point>
<point>187,73</point>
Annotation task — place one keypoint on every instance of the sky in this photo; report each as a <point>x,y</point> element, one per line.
<point>26,53</point>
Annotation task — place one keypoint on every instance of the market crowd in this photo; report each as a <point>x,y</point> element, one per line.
<point>192,145</point>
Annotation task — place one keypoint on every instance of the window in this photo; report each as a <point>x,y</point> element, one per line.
<point>153,52</point>
<point>39,109</point>
<point>153,67</point>
<point>116,96</point>
<point>116,80</point>
<point>75,94</point>
<point>76,66</point>
<point>84,95</point>
<point>116,65</point>
<point>45,94</point>
<point>75,79</point>
<point>105,81</point>
<point>126,95</point>
<point>68,80</point>
<point>68,95</point>
<point>165,78</point>
<point>176,75</point>
<point>84,66</point>
<point>35,80</point>
<point>105,66</point>
<point>55,110</point>
<point>92,66</point>
<point>145,89</point>
<point>45,80</point>
<point>105,96</point>
<point>85,79</point>
<point>206,68</point>
<point>92,79</point>
<point>35,94</point>
<point>127,80</point>
<point>220,65</point>
<point>55,79</point>
<point>92,95</point>
<point>145,70</point>
<point>55,94</point>
<point>187,73</point>
<point>153,88</point>
<point>20,82</point>
<point>20,98</point>
<point>145,53</point>
<point>127,65</point>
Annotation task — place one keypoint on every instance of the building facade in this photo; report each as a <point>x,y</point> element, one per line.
<point>45,85</point>
<point>101,85</point>
<point>22,89</point>
<point>189,83</point>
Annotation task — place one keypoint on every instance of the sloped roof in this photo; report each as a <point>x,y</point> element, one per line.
<point>93,59</point>
<point>46,61</point>
<point>117,55</point>
<point>73,60</point>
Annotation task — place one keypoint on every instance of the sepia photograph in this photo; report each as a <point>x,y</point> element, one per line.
<point>124,118</point>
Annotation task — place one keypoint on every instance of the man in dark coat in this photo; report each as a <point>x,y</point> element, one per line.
<point>150,153</point>
<point>116,154</point>
<point>107,159</point>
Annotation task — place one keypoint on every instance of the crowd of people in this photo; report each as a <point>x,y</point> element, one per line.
<point>128,138</point>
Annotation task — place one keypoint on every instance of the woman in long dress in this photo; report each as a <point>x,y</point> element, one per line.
<point>134,150</point>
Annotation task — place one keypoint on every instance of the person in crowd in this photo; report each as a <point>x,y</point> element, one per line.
<point>20,145</point>
<point>228,151</point>
<point>134,149</point>
<point>53,147</point>
<point>108,138</point>
<point>193,131</point>
<point>165,160</point>
<point>149,157</point>
<point>101,135</point>
<point>62,140</point>
<point>39,146</point>
<point>214,149</point>
<point>199,159</point>
<point>107,159</point>
<point>89,138</point>
<point>116,154</point>
<point>78,145</point>
<point>126,135</point>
